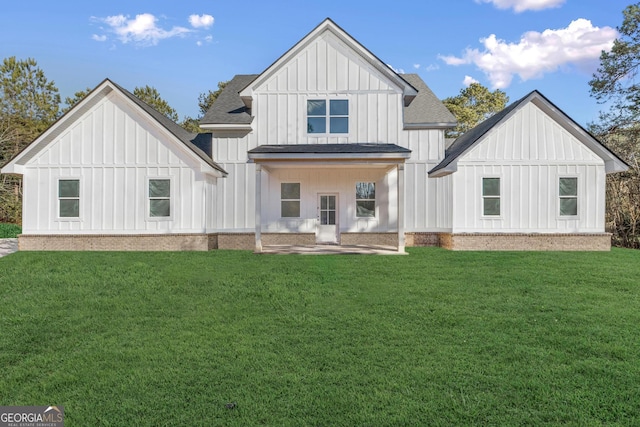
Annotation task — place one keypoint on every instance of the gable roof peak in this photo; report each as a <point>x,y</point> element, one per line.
<point>329,25</point>
<point>471,138</point>
<point>103,89</point>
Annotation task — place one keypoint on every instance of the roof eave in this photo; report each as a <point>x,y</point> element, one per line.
<point>216,173</point>
<point>443,125</point>
<point>226,126</point>
<point>12,169</point>
<point>444,171</point>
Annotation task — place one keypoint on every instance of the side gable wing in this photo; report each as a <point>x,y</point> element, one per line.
<point>565,131</point>
<point>104,90</point>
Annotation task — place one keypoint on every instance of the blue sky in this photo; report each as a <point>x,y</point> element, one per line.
<point>184,48</point>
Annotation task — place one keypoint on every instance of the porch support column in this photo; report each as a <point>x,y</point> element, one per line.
<point>258,208</point>
<point>401,207</point>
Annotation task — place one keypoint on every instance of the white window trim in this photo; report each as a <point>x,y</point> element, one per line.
<point>500,197</point>
<point>577,197</point>
<point>172,197</point>
<point>299,200</point>
<point>58,198</point>
<point>375,200</point>
<point>327,116</point>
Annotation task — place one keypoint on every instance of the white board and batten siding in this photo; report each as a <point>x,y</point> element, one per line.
<point>338,181</point>
<point>529,152</point>
<point>328,69</point>
<point>113,150</point>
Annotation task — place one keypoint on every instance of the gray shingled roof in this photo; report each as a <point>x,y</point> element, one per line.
<point>229,107</point>
<point>192,140</point>
<point>426,108</point>
<point>363,148</point>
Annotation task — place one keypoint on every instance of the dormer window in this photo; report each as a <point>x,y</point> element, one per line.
<point>335,119</point>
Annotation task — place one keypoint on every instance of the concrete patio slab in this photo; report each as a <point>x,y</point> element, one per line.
<point>8,246</point>
<point>331,250</point>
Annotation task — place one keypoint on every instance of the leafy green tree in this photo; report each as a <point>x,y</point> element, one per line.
<point>192,125</point>
<point>615,83</point>
<point>151,96</point>
<point>473,105</point>
<point>29,103</point>
<point>77,97</point>
<point>622,189</point>
<point>205,101</point>
<point>27,99</point>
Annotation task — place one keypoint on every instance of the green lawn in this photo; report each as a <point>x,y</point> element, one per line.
<point>9,230</point>
<point>433,338</point>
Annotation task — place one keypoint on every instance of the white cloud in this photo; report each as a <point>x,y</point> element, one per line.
<point>468,80</point>
<point>416,66</point>
<point>142,30</point>
<point>201,21</point>
<point>207,39</point>
<point>580,45</point>
<point>98,38</point>
<point>432,67</point>
<point>523,5</point>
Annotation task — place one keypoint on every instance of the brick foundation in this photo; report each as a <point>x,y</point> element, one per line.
<point>422,239</point>
<point>526,242</point>
<point>246,241</point>
<point>242,241</point>
<point>374,239</point>
<point>117,242</point>
<point>288,239</point>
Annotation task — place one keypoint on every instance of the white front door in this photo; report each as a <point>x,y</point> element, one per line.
<point>327,231</point>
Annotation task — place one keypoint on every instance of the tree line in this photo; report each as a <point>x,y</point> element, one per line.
<point>30,103</point>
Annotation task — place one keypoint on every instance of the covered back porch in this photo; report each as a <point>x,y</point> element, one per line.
<point>330,194</point>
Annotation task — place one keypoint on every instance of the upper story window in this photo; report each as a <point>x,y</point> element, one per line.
<point>334,119</point>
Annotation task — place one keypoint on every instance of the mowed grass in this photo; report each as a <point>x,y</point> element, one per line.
<point>432,338</point>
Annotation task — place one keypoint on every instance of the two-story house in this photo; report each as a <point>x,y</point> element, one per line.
<point>328,145</point>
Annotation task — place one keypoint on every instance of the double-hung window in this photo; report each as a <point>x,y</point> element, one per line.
<point>159,198</point>
<point>290,199</point>
<point>491,196</point>
<point>327,116</point>
<point>568,193</point>
<point>69,198</point>
<point>365,199</point>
